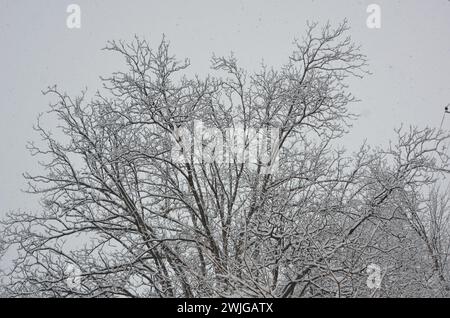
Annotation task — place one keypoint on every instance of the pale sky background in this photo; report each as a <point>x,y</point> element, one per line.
<point>409,57</point>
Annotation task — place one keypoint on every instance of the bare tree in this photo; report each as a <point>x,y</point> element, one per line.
<point>428,216</point>
<point>138,223</point>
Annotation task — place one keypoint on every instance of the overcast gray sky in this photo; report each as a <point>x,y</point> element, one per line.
<point>409,57</point>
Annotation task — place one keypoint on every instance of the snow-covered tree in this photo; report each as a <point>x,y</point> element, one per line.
<point>137,222</point>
